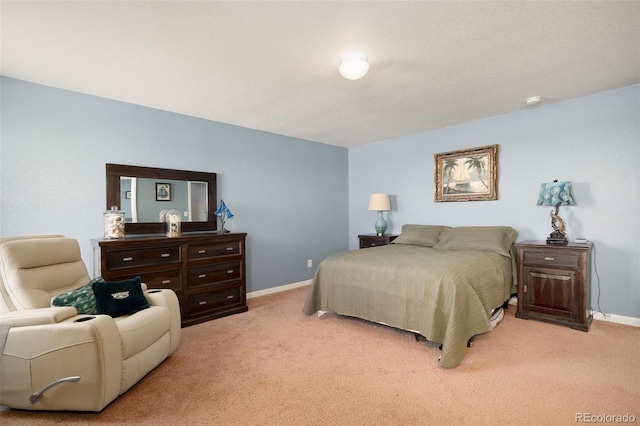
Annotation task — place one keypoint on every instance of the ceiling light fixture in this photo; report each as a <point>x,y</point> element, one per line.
<point>354,66</point>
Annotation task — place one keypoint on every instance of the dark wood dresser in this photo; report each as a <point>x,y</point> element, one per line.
<point>373,240</point>
<point>554,283</point>
<point>207,271</point>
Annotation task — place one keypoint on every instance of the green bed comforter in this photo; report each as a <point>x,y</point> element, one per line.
<point>444,295</point>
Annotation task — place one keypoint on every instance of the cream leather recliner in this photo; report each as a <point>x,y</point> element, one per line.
<point>51,358</point>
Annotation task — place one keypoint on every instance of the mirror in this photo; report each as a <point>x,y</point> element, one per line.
<point>143,192</point>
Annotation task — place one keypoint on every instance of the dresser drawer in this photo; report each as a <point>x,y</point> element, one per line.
<point>134,258</point>
<point>163,279</point>
<point>549,258</point>
<point>211,250</point>
<point>218,272</point>
<point>204,303</point>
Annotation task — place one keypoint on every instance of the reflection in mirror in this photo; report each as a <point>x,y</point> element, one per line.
<point>143,192</point>
<point>139,201</point>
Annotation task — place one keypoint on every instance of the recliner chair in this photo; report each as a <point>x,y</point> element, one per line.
<point>51,358</point>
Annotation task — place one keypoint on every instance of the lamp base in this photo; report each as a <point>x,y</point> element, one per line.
<point>557,238</point>
<point>381,225</point>
<point>556,241</point>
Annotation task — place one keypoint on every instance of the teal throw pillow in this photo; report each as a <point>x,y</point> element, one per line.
<point>120,297</point>
<point>81,298</point>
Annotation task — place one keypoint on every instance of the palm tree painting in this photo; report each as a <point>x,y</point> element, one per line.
<point>467,175</point>
<point>479,164</point>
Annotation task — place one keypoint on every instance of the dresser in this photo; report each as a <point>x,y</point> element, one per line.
<point>554,283</point>
<point>373,240</point>
<point>207,271</point>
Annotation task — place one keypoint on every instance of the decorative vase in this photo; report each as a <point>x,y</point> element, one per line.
<point>113,223</point>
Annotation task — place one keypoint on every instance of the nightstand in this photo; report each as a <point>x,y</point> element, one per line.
<point>554,283</point>
<point>373,240</point>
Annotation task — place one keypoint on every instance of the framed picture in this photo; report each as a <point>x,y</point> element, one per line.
<point>467,175</point>
<point>163,191</point>
<point>127,195</point>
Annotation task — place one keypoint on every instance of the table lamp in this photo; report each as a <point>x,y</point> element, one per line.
<point>380,203</point>
<point>556,194</point>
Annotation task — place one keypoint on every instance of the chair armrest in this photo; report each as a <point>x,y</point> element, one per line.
<point>35,356</point>
<point>169,300</point>
<point>37,316</point>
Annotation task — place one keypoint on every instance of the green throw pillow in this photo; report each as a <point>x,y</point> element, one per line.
<point>81,298</point>
<point>120,297</point>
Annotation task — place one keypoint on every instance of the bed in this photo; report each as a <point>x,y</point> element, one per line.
<point>442,283</point>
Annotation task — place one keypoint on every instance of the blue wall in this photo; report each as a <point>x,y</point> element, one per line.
<point>301,200</point>
<point>593,141</point>
<point>289,195</point>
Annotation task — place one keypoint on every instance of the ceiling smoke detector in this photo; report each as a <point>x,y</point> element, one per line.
<point>534,100</point>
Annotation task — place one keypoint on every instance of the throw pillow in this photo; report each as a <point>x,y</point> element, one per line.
<point>497,239</point>
<point>120,297</point>
<point>420,235</point>
<point>81,298</point>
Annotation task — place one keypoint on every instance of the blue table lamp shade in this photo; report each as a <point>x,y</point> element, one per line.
<point>556,194</point>
<point>380,203</point>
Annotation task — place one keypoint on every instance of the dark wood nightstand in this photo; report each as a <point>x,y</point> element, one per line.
<point>554,283</point>
<point>373,240</point>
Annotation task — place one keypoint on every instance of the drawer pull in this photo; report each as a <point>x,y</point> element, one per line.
<point>166,282</point>
<point>230,271</point>
<point>230,297</point>
<point>202,302</point>
<point>229,249</point>
<point>127,259</point>
<point>165,255</point>
<point>202,251</point>
<point>202,275</point>
<point>550,258</point>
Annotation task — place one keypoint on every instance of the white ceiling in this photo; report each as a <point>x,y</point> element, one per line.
<point>273,66</point>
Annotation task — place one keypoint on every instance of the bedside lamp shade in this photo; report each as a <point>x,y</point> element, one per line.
<point>380,203</point>
<point>556,194</point>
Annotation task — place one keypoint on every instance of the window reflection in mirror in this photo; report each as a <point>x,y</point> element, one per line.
<point>141,203</point>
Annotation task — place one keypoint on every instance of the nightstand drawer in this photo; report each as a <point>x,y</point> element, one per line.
<point>367,241</point>
<point>550,258</point>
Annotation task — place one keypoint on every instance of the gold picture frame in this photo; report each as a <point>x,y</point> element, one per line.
<point>467,174</point>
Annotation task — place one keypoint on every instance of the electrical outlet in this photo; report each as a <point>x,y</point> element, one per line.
<point>309,263</point>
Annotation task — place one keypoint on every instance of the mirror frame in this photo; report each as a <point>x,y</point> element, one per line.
<point>116,171</point>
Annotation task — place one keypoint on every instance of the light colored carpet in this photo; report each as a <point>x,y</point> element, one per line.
<point>274,365</point>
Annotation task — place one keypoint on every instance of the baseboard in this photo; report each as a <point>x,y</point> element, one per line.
<point>277,289</point>
<point>618,319</point>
